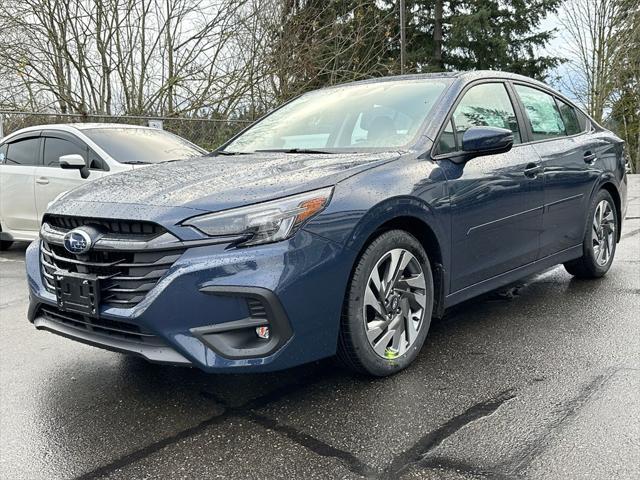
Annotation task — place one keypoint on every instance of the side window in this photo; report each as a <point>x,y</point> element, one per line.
<point>54,148</point>
<point>3,152</point>
<point>485,105</point>
<point>583,121</point>
<point>97,163</point>
<point>569,118</point>
<point>23,152</point>
<point>447,142</point>
<point>542,112</point>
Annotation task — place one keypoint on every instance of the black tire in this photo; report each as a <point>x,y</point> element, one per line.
<point>354,349</point>
<point>5,244</point>
<point>587,265</point>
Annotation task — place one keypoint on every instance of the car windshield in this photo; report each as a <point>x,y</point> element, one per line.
<point>141,145</point>
<point>378,115</point>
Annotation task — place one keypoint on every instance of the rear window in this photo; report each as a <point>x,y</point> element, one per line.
<point>141,145</point>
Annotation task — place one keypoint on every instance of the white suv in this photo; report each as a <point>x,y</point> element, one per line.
<point>39,163</point>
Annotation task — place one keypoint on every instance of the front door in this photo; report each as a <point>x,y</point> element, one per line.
<point>50,179</point>
<point>496,200</point>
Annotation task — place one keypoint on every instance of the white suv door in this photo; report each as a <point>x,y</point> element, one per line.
<point>50,179</point>
<point>17,198</point>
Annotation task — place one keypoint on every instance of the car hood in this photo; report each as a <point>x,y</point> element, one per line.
<point>218,183</point>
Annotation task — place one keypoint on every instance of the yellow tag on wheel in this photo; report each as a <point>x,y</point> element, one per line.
<point>390,353</point>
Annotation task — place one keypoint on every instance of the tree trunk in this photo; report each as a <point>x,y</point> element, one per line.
<point>436,60</point>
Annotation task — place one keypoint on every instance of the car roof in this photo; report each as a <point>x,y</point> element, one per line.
<point>91,126</point>
<point>73,127</point>
<point>465,76</point>
<point>80,126</point>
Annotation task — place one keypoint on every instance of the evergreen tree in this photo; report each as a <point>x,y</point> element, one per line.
<point>499,35</point>
<point>479,35</point>
<point>324,42</point>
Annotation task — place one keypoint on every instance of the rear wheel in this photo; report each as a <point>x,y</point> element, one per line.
<point>388,307</point>
<point>600,240</point>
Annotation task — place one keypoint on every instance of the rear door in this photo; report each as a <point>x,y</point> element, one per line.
<point>569,160</point>
<point>496,200</point>
<point>17,170</point>
<point>50,179</point>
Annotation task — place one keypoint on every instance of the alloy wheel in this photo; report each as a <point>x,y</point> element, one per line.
<point>603,232</point>
<point>394,303</point>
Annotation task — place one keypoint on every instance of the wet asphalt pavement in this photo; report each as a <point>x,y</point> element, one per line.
<point>539,382</point>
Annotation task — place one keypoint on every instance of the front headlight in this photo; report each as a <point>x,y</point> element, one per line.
<point>265,222</point>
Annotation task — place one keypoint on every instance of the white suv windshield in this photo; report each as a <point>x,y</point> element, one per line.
<point>141,145</point>
<point>372,115</point>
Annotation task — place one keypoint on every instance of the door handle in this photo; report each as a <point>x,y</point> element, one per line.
<point>532,170</point>
<point>42,180</point>
<point>590,157</point>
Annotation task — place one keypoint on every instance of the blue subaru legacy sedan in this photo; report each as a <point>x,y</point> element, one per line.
<point>340,223</point>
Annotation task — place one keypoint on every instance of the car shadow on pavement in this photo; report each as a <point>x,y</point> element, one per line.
<point>151,406</point>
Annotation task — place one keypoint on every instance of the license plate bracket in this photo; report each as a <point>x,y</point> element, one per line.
<point>78,293</point>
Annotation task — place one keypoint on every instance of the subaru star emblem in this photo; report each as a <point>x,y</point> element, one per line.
<point>77,241</point>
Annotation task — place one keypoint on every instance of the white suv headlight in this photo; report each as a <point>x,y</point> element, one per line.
<point>264,222</point>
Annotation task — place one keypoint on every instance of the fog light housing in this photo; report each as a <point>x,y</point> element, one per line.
<point>263,332</point>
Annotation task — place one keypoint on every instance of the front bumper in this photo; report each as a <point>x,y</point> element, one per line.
<point>203,311</point>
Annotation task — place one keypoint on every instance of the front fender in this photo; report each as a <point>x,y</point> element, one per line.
<point>391,210</point>
<point>360,205</point>
<point>411,193</point>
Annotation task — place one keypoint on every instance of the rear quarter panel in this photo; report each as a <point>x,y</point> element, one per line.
<point>610,151</point>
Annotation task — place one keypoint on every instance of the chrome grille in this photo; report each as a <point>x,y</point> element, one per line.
<point>126,273</point>
<point>109,226</point>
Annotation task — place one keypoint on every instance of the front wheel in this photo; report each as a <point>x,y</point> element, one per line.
<point>388,306</point>
<point>599,244</point>
<point>5,244</point>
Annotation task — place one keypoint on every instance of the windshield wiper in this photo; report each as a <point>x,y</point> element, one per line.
<point>136,162</point>
<point>215,153</point>
<point>295,150</point>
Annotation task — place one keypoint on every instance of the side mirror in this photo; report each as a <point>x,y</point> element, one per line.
<point>74,162</point>
<point>478,141</point>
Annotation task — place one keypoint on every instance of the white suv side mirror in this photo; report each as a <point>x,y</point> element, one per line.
<point>74,161</point>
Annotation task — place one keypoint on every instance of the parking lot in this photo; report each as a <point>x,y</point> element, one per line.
<point>538,381</point>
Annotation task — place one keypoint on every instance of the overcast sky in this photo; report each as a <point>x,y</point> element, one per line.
<point>557,48</point>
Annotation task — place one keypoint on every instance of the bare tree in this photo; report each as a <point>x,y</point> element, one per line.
<point>595,35</point>
<point>321,43</point>
<point>164,57</point>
